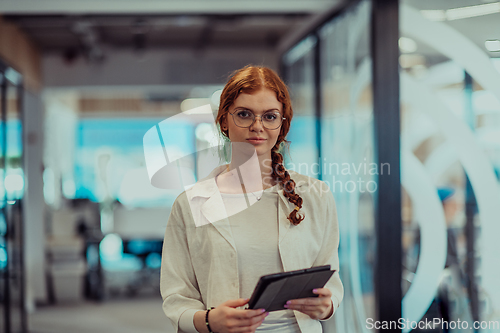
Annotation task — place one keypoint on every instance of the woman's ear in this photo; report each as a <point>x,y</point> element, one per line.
<point>223,123</point>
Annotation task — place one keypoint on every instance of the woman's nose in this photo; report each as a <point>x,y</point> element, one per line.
<point>257,125</point>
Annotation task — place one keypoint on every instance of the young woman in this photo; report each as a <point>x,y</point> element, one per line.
<point>249,218</point>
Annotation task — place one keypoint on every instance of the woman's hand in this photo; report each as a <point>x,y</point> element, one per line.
<point>320,307</point>
<point>225,318</point>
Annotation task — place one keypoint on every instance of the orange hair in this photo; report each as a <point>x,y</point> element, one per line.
<point>250,79</point>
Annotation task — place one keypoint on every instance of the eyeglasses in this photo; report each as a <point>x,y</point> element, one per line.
<point>245,118</point>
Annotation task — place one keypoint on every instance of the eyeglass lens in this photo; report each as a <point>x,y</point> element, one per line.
<point>245,118</point>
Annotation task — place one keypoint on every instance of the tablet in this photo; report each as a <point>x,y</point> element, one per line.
<point>274,290</point>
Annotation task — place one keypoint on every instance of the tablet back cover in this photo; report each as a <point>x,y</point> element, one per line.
<point>278,291</point>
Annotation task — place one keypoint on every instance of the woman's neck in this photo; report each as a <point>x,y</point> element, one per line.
<point>257,169</point>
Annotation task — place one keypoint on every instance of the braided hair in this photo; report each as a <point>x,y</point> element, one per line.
<point>250,79</point>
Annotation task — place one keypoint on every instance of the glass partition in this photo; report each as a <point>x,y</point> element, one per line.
<point>4,315</point>
<point>14,187</point>
<point>348,155</point>
<point>303,135</point>
<point>450,134</point>
<point>11,192</point>
<point>450,130</point>
<point>343,140</point>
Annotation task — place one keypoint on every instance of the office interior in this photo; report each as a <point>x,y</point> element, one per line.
<point>396,107</point>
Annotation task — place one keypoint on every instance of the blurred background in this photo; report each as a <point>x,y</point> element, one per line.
<point>81,226</point>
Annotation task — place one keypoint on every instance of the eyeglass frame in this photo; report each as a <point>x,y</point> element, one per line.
<point>255,118</point>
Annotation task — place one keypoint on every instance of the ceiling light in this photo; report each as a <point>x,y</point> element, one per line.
<point>492,45</point>
<point>472,11</point>
<point>461,12</point>
<point>407,45</point>
<point>434,15</point>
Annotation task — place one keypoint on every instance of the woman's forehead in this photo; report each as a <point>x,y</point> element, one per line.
<point>262,100</point>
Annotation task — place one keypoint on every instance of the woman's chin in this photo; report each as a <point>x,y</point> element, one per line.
<point>248,149</point>
<point>263,151</point>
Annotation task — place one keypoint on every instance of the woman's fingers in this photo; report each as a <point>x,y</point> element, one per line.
<point>313,301</point>
<point>315,307</point>
<point>305,307</point>
<point>255,326</point>
<point>260,318</point>
<point>246,325</point>
<point>324,296</point>
<point>227,318</point>
<point>233,303</point>
<point>250,320</point>
<point>317,311</point>
<point>254,320</point>
<point>323,292</point>
<point>245,314</point>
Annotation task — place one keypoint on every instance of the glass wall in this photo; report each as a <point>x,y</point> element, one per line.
<point>13,316</point>
<point>450,162</point>
<point>96,180</point>
<point>303,135</point>
<point>348,155</point>
<point>346,142</point>
<point>109,161</point>
<point>450,167</point>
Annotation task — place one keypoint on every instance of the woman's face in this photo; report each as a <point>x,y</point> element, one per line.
<point>260,102</point>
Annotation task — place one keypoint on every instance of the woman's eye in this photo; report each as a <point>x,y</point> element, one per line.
<point>270,116</point>
<point>243,114</point>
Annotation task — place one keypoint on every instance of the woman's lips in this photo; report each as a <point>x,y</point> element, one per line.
<point>256,141</point>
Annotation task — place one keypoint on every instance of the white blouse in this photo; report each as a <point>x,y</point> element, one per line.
<point>255,232</point>
<point>200,261</point>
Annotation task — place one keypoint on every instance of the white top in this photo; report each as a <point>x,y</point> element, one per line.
<point>200,261</point>
<point>255,232</point>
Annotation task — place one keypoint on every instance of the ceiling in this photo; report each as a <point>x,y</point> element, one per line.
<point>86,26</point>
<point>477,29</point>
<point>91,28</point>
<point>54,33</point>
<point>69,27</point>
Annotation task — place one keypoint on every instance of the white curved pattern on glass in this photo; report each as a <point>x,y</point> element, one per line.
<point>452,44</point>
<point>478,169</point>
<point>418,128</point>
<point>439,160</point>
<point>362,79</point>
<point>457,47</point>
<point>428,212</point>
<point>354,256</point>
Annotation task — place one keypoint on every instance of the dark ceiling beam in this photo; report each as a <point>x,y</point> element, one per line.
<point>53,20</point>
<point>205,36</point>
<point>264,45</point>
